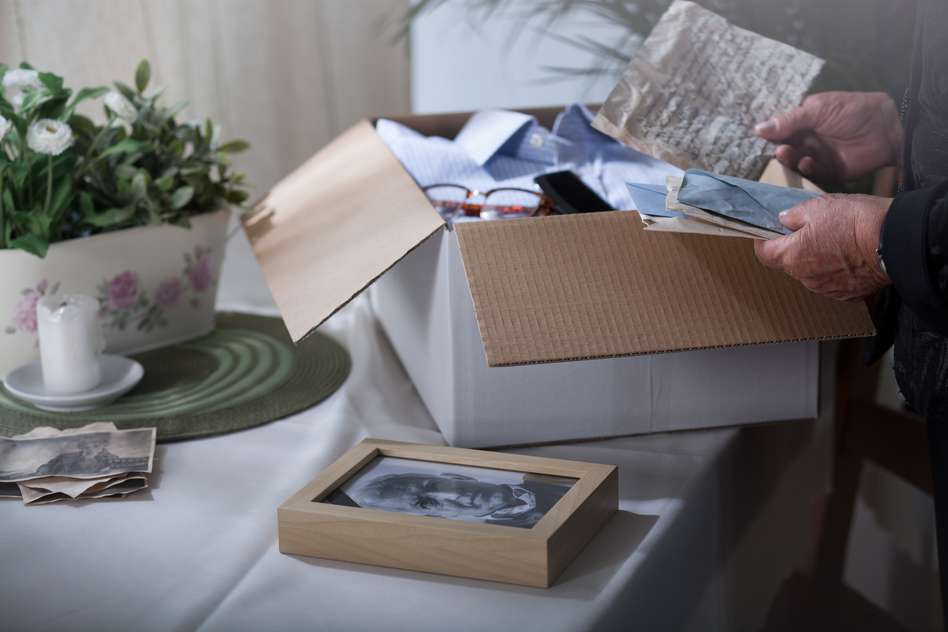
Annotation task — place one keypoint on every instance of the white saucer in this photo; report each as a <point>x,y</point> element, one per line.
<point>119,376</point>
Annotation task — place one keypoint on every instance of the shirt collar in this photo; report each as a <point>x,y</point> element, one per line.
<point>488,130</point>
<point>491,133</point>
<point>575,124</point>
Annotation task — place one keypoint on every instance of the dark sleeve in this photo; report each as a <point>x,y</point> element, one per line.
<point>915,251</point>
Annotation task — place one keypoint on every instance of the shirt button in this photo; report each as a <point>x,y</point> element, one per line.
<point>536,139</point>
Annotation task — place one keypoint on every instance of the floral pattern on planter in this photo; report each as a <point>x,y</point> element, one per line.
<point>197,269</point>
<point>124,303</point>
<point>24,314</point>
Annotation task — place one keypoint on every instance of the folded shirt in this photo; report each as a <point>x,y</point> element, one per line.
<point>500,148</point>
<point>748,201</point>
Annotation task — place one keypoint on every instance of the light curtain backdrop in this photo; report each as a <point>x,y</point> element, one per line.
<point>286,75</point>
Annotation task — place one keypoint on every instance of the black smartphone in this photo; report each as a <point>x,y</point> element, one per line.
<point>570,194</point>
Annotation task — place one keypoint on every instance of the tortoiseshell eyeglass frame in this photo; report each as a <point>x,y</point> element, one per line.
<point>475,209</point>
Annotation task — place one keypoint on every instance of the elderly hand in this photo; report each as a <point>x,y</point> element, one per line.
<point>837,136</point>
<point>833,249</point>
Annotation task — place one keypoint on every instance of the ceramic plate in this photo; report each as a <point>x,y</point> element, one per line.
<point>119,376</point>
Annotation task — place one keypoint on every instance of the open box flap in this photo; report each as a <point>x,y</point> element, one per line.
<point>333,226</point>
<point>597,285</point>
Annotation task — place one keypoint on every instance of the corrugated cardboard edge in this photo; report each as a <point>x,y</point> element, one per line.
<point>633,354</point>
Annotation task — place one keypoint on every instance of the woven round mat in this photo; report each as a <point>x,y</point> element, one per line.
<point>246,373</point>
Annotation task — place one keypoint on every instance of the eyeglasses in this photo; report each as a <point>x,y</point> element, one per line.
<point>454,200</point>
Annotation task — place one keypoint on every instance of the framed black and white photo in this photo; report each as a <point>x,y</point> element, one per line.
<point>455,492</point>
<point>454,511</point>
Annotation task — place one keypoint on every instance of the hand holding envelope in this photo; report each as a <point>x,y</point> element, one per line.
<point>707,203</point>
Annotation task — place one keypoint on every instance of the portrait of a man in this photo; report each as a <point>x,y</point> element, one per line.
<point>469,494</point>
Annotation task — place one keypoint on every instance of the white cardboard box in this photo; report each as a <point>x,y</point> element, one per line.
<point>425,307</point>
<point>544,329</point>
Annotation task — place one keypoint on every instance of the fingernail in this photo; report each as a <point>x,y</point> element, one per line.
<point>766,126</point>
<point>782,214</point>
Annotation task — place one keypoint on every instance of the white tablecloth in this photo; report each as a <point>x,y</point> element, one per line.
<point>199,551</point>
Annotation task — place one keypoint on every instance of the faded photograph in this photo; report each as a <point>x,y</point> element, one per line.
<point>80,455</point>
<point>455,492</point>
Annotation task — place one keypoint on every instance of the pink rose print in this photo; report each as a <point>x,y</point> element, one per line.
<point>199,274</point>
<point>169,292</point>
<point>24,314</point>
<point>24,318</point>
<point>123,290</point>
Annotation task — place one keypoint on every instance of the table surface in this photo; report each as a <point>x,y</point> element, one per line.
<point>199,550</point>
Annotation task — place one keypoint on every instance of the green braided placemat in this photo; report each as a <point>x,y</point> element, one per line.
<point>246,373</point>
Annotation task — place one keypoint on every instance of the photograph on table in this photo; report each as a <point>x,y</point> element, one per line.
<point>469,513</point>
<point>455,492</point>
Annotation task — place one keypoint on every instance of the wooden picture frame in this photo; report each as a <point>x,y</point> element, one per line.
<point>310,526</point>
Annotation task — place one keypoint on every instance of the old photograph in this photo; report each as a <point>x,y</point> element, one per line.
<point>455,492</point>
<point>77,455</point>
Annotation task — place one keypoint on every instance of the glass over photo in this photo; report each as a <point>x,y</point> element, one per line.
<point>455,492</point>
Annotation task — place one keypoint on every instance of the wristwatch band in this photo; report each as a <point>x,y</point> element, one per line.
<point>879,259</point>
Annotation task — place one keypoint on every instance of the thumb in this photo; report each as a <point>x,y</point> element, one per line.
<point>793,218</point>
<point>788,124</point>
<point>770,251</point>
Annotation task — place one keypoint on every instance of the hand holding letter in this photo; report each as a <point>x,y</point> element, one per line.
<point>837,136</point>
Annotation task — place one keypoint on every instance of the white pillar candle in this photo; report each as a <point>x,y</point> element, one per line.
<point>70,343</point>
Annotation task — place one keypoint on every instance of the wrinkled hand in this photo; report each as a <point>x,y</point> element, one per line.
<point>833,249</point>
<point>837,136</point>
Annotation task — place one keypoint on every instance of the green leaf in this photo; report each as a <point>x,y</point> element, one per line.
<point>127,92</point>
<point>62,196</point>
<point>54,107</point>
<point>34,99</point>
<point>237,197</point>
<point>164,183</point>
<point>86,206</point>
<point>181,197</point>
<point>126,146</point>
<point>32,244</point>
<point>109,218</point>
<point>89,93</point>
<point>234,147</point>
<point>83,95</point>
<point>82,126</point>
<point>142,75</point>
<point>140,184</point>
<point>53,83</point>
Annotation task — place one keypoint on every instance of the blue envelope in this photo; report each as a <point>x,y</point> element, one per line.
<point>747,201</point>
<point>650,199</point>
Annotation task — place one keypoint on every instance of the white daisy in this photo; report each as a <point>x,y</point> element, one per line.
<point>5,126</point>
<point>120,106</point>
<point>47,136</point>
<point>17,83</point>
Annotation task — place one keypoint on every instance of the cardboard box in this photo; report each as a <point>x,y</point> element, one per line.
<point>544,329</point>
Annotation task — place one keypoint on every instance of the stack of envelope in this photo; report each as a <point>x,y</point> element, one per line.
<point>712,204</point>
